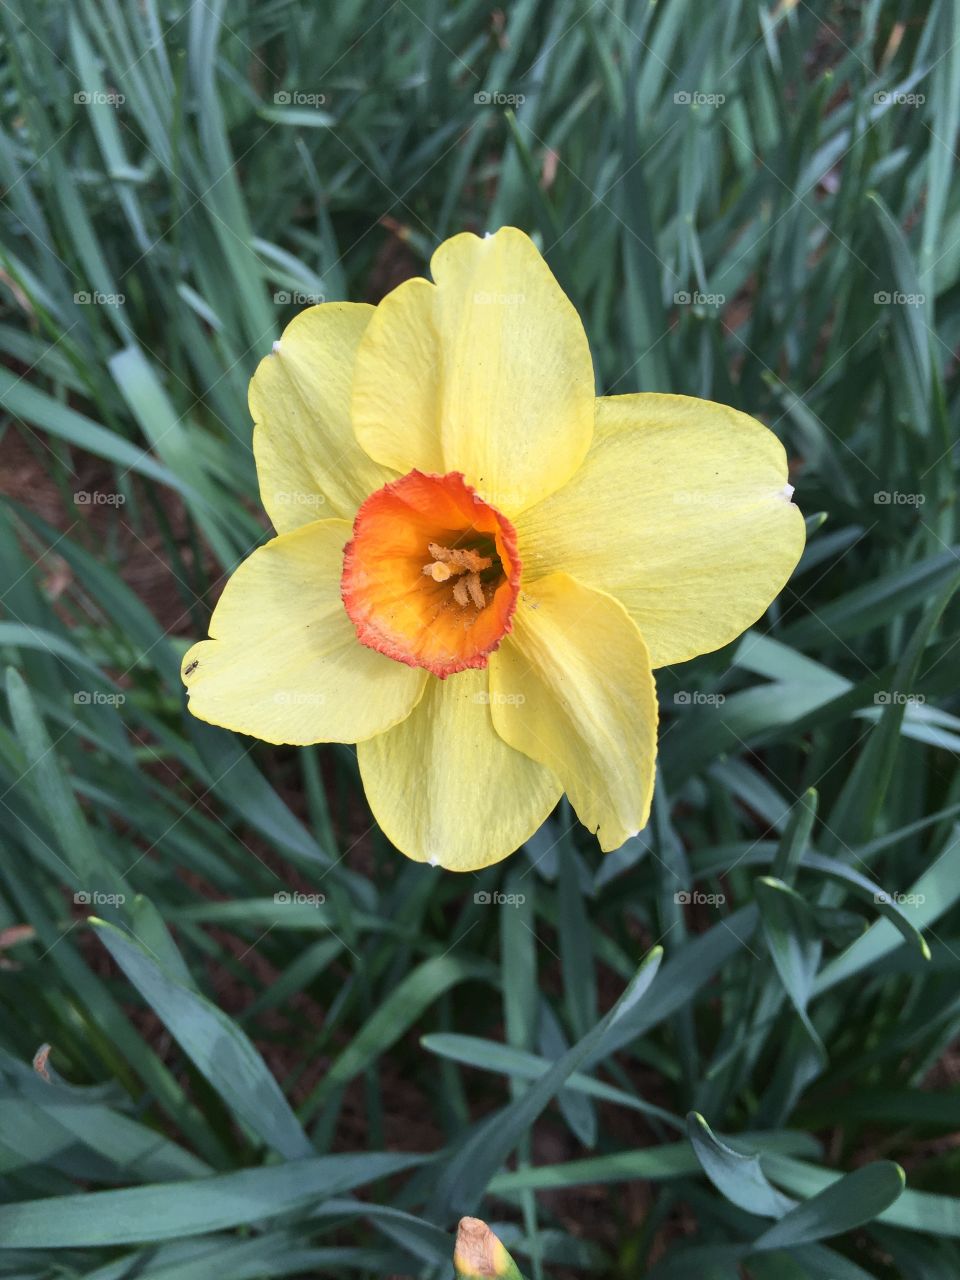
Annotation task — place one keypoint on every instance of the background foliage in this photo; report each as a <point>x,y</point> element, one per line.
<point>249,1087</point>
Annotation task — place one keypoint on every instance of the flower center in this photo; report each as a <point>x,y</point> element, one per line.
<point>464,567</point>
<point>431,575</point>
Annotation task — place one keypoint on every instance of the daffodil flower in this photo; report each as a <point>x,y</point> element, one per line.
<point>479,563</point>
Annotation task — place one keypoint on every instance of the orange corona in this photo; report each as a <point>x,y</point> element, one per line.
<point>432,573</point>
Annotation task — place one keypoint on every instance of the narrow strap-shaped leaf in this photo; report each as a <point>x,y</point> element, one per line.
<point>857,1198</point>
<point>215,1044</point>
<point>172,1210</point>
<point>478,1159</point>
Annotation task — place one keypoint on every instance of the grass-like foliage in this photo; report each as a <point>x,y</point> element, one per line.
<point>750,202</point>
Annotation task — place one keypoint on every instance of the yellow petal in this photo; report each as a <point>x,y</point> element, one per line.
<point>487,372</point>
<point>284,662</point>
<point>396,387</point>
<point>572,687</point>
<point>309,464</point>
<point>682,511</point>
<point>446,788</point>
